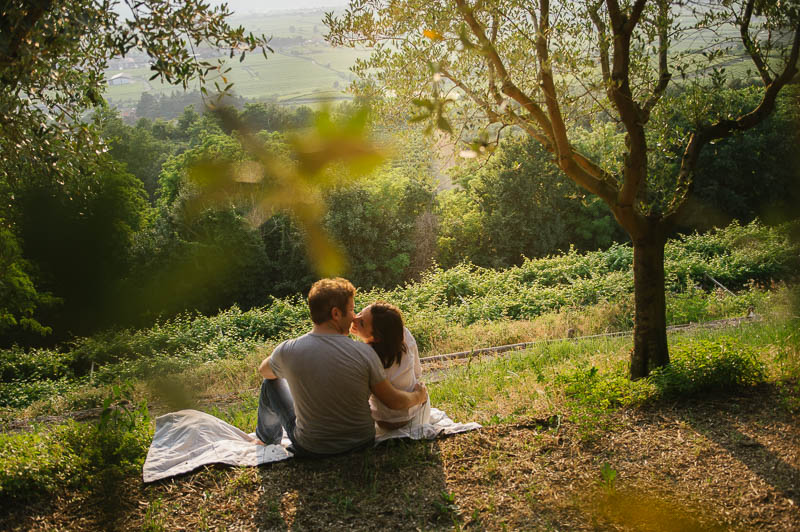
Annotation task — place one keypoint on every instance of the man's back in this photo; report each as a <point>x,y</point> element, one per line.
<point>330,377</point>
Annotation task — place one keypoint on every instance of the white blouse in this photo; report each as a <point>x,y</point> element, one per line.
<point>403,376</point>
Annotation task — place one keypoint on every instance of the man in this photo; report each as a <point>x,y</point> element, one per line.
<point>317,386</point>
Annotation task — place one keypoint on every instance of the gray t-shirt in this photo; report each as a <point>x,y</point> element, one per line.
<point>330,377</point>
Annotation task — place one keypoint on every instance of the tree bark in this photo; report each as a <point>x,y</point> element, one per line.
<point>650,324</point>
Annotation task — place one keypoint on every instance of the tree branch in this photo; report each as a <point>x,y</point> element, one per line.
<point>635,168</point>
<point>726,128</point>
<point>563,149</point>
<point>602,44</point>
<point>664,74</point>
<point>750,46</point>
<point>490,112</point>
<point>508,87</point>
<point>498,98</point>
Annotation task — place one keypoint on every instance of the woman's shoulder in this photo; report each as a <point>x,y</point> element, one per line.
<point>409,338</point>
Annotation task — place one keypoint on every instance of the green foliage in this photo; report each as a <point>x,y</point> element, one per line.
<point>696,367</point>
<point>721,365</point>
<point>142,152</point>
<point>519,205</point>
<point>727,170</point>
<point>210,147</point>
<point>84,456</point>
<point>79,235</point>
<point>19,298</point>
<point>154,105</point>
<point>229,334</point>
<point>204,264</point>
<point>608,475</point>
<point>733,256</point>
<point>19,393</point>
<point>374,222</point>
<point>272,117</point>
<point>53,56</point>
<point>166,348</point>
<point>54,175</point>
<point>440,301</point>
<point>709,367</point>
<point>606,391</point>
<point>287,270</point>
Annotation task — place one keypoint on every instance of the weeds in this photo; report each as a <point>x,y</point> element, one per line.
<point>448,310</point>
<point>446,507</point>
<point>86,456</point>
<point>608,476</point>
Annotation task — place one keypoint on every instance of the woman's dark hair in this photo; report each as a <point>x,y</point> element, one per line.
<point>387,333</point>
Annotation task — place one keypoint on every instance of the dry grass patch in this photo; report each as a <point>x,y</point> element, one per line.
<point>713,465</point>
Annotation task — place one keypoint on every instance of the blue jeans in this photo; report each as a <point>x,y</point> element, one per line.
<point>276,413</point>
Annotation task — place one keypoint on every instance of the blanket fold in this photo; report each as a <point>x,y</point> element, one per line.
<point>188,439</point>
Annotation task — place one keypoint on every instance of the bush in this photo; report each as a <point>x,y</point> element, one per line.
<point>72,455</point>
<point>709,367</point>
<point>604,391</point>
<point>700,366</point>
<point>21,393</point>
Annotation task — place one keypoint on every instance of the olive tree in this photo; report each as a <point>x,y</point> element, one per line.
<point>550,68</point>
<point>53,54</point>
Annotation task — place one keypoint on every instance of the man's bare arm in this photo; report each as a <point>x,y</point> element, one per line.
<point>266,370</point>
<point>399,399</point>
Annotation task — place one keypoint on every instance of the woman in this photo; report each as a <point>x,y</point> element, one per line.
<point>381,326</point>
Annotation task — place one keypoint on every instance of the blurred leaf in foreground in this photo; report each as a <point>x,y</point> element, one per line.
<point>334,151</point>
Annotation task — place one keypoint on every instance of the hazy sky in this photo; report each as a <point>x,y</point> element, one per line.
<point>248,6</point>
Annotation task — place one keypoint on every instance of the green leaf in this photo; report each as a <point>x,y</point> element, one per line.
<point>444,125</point>
<point>427,104</point>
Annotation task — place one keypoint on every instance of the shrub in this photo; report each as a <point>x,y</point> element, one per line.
<point>604,391</point>
<point>700,366</point>
<point>72,455</point>
<point>707,367</point>
<point>21,393</point>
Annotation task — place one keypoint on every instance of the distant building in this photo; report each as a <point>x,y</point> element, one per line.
<point>121,79</point>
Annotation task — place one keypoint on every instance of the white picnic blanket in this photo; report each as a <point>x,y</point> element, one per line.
<point>188,439</point>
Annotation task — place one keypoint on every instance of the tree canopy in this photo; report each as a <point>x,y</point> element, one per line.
<point>549,69</point>
<point>53,54</point>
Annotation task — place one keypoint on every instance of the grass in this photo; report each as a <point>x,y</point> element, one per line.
<point>564,409</point>
<point>581,382</point>
<point>279,24</point>
<point>283,75</point>
<point>195,360</point>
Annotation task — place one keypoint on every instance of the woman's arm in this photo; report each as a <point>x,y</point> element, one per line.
<point>399,399</point>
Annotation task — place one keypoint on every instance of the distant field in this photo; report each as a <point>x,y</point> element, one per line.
<point>304,68</point>
<point>305,23</point>
<point>296,72</point>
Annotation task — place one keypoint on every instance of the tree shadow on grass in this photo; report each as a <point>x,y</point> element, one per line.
<point>720,419</point>
<point>398,485</point>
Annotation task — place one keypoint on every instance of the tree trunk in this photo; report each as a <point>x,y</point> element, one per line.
<point>650,322</point>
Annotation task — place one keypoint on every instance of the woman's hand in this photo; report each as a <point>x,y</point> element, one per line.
<point>422,392</point>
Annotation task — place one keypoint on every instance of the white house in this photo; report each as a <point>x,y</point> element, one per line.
<point>121,79</point>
